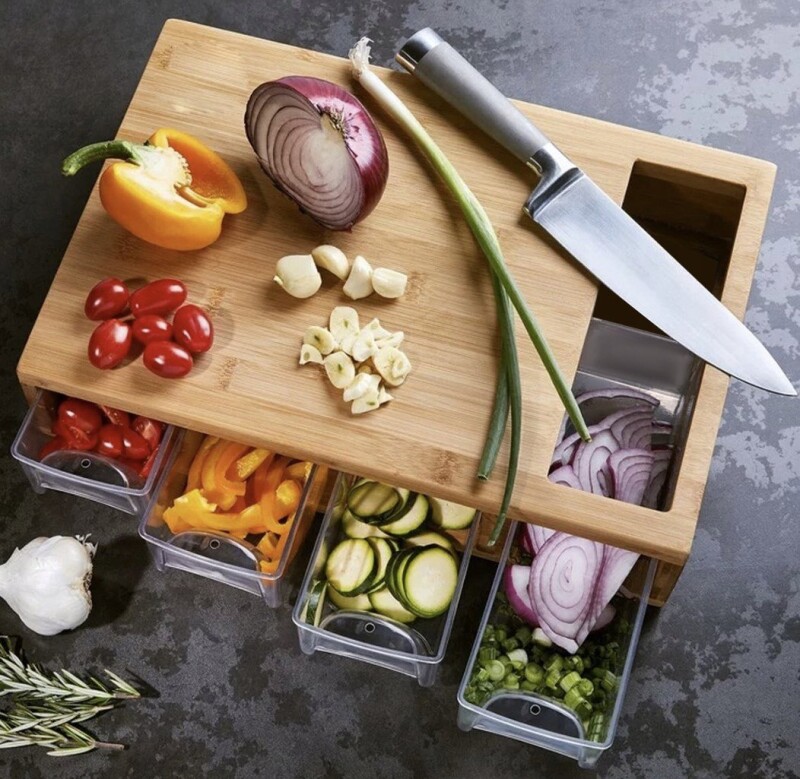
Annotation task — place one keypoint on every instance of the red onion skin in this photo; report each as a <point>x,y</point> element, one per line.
<point>360,136</point>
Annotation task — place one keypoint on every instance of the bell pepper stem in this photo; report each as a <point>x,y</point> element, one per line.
<point>104,150</point>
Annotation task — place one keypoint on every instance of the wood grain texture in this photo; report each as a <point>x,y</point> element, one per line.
<point>250,387</point>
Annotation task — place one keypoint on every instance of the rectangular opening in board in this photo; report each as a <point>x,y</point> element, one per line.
<point>695,218</point>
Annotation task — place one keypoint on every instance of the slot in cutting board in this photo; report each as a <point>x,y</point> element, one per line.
<point>250,387</point>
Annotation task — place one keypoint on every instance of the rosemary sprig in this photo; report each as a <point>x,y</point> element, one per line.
<point>45,706</point>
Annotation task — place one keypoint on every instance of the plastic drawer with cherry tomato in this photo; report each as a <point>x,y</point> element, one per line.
<point>95,452</point>
<point>233,513</point>
<point>385,577</point>
<point>519,684</point>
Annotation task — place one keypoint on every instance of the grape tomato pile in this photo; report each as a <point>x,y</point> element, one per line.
<point>141,316</point>
<point>87,427</point>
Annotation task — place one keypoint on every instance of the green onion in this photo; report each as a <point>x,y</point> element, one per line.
<point>568,681</point>
<point>481,227</point>
<point>496,670</point>
<point>534,673</point>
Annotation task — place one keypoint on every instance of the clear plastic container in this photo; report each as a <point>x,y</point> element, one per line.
<point>542,721</point>
<point>415,650</point>
<point>219,556</point>
<point>85,474</point>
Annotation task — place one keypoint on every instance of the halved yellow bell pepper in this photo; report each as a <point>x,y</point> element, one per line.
<point>172,191</point>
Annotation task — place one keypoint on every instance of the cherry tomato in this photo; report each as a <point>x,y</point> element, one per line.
<point>192,329</point>
<point>144,471</point>
<point>110,343</point>
<point>106,299</point>
<point>149,429</point>
<point>110,440</point>
<point>80,414</point>
<point>116,416</point>
<point>167,359</point>
<point>74,437</point>
<point>151,327</point>
<point>134,447</point>
<point>158,297</point>
<point>53,445</point>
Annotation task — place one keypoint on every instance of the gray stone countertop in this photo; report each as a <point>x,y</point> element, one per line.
<point>715,690</point>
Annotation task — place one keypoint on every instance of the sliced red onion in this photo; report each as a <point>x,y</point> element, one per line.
<point>634,429</point>
<point>319,145</point>
<point>598,404</point>
<point>606,618</point>
<point>539,536</point>
<point>591,459</point>
<point>516,579</point>
<point>525,538</point>
<point>572,581</point>
<point>563,579</point>
<point>565,475</point>
<point>658,477</point>
<point>630,470</point>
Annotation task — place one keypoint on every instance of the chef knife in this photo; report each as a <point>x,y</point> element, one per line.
<point>593,228</point>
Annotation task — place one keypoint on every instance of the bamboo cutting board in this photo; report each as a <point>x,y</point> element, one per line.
<point>250,387</point>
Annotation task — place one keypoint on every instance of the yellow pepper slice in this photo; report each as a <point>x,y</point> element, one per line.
<point>173,191</point>
<point>196,468</point>
<point>300,470</point>
<point>245,466</point>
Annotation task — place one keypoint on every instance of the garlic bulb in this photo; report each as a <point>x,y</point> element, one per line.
<point>47,583</point>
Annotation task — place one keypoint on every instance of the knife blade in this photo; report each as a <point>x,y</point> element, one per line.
<point>593,228</point>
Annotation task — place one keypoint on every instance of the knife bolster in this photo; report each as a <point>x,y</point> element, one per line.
<point>556,171</point>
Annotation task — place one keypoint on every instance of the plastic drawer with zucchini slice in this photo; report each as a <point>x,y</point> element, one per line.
<point>519,685</point>
<point>385,577</point>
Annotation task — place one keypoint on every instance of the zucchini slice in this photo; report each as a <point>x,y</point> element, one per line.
<point>394,574</point>
<point>315,603</point>
<point>353,527</point>
<point>356,603</point>
<point>372,501</point>
<point>451,516</point>
<point>350,567</point>
<point>428,581</point>
<point>412,518</point>
<point>385,603</point>
<point>430,537</point>
<point>383,553</point>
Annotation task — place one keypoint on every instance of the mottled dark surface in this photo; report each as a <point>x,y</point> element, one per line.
<point>716,688</point>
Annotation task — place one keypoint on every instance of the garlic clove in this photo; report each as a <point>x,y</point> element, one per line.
<point>332,259</point>
<point>389,283</point>
<point>359,387</point>
<point>298,275</point>
<point>320,338</point>
<point>359,282</point>
<point>363,346</point>
<point>343,322</point>
<point>369,401</point>
<point>392,339</point>
<point>309,353</point>
<point>340,369</point>
<point>392,365</point>
<point>378,330</point>
<point>384,396</point>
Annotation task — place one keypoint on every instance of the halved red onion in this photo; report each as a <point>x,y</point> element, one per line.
<point>630,471</point>
<point>318,144</point>
<point>516,579</point>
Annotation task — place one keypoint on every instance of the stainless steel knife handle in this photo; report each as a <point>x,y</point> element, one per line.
<point>440,67</point>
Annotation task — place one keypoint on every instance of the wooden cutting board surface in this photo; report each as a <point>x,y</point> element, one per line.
<point>250,386</point>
